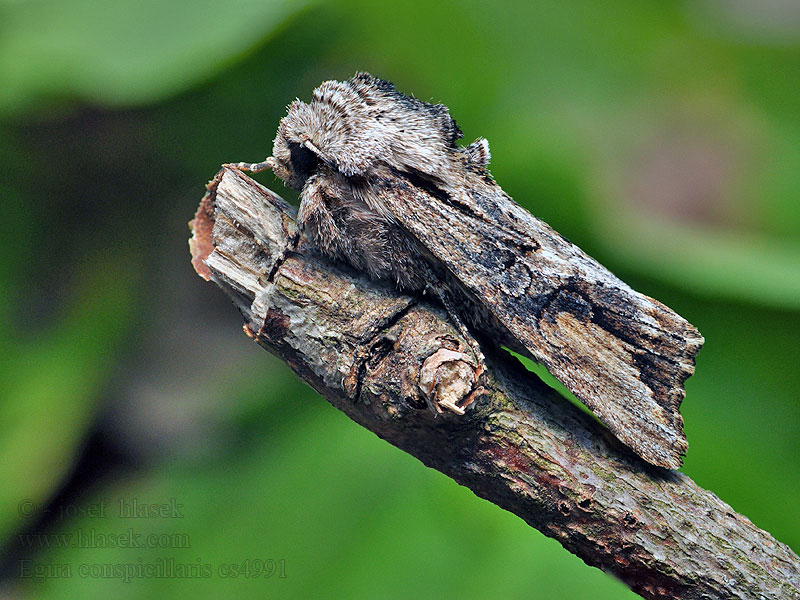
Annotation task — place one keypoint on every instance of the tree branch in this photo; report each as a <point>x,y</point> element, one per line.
<point>384,358</point>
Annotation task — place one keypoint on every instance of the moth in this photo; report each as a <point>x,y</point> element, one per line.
<point>385,187</point>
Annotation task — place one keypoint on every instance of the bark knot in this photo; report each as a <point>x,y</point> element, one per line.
<point>448,379</point>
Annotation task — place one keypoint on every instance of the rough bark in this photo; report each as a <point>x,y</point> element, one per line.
<point>384,358</point>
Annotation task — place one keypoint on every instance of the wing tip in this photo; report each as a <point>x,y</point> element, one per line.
<point>660,450</point>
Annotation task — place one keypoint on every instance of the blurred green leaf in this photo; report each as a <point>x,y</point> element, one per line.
<point>52,383</point>
<point>721,264</point>
<point>125,51</point>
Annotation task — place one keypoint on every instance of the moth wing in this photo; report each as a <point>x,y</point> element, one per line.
<point>623,354</point>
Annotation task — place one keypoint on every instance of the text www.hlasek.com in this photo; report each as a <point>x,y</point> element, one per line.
<point>89,538</point>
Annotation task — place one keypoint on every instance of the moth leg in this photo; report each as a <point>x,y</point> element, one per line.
<point>478,389</point>
<point>267,163</point>
<point>459,324</point>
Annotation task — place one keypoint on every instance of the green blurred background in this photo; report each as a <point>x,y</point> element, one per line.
<point>662,137</point>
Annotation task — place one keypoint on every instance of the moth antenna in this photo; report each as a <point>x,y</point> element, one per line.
<point>311,147</point>
<point>308,144</point>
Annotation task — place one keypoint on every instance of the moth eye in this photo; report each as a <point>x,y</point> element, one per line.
<point>304,161</point>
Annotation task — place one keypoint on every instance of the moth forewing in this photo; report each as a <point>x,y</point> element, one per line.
<point>620,352</point>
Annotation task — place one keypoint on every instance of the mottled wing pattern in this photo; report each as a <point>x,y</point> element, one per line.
<point>623,354</point>
<point>386,188</point>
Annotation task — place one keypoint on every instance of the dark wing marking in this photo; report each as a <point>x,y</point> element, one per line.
<point>623,354</point>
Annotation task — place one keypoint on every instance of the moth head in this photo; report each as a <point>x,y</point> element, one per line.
<point>351,126</point>
<point>296,158</point>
